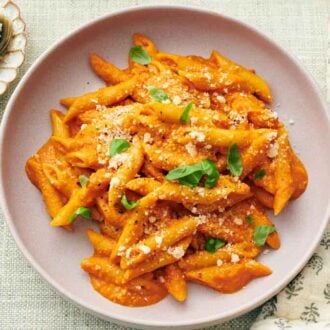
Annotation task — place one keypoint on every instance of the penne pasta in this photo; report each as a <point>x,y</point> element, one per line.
<point>228,278</point>
<point>106,70</point>
<point>255,83</point>
<point>124,174</point>
<point>283,174</point>
<point>52,198</point>
<point>60,129</point>
<point>102,244</point>
<point>105,96</point>
<point>176,159</point>
<point>157,260</point>
<point>155,242</point>
<point>175,282</point>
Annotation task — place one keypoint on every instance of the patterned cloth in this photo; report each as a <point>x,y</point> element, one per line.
<point>305,302</point>
<point>27,302</point>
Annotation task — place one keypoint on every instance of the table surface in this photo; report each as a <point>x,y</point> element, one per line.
<point>301,26</point>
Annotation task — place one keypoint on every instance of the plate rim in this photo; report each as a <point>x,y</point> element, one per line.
<point>127,320</point>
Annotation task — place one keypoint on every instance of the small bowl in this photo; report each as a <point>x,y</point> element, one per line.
<point>14,55</point>
<point>64,70</point>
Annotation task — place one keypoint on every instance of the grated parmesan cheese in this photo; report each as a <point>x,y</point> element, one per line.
<point>177,252</point>
<point>200,191</point>
<point>177,100</point>
<point>221,220</point>
<point>118,160</point>
<point>219,262</point>
<point>98,147</point>
<point>114,182</point>
<point>235,178</point>
<point>100,107</point>
<point>97,267</point>
<point>193,120</point>
<point>147,138</point>
<point>208,76</point>
<point>194,210</point>
<point>274,114</point>
<point>191,148</point>
<point>200,137</point>
<point>202,219</point>
<point>121,250</point>
<point>221,99</point>
<point>237,118</point>
<point>158,240</point>
<point>152,219</point>
<point>145,249</point>
<point>238,221</point>
<point>128,252</point>
<point>234,258</point>
<point>273,150</point>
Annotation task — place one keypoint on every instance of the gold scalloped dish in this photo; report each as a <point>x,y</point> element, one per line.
<point>14,54</point>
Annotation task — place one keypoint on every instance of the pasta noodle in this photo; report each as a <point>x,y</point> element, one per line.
<point>177,160</point>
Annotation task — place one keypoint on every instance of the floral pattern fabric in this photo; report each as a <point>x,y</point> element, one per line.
<point>305,302</point>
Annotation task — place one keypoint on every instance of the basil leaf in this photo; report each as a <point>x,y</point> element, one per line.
<point>185,114</point>
<point>139,55</point>
<point>192,180</point>
<point>249,219</point>
<point>128,204</point>
<point>234,161</point>
<point>83,180</point>
<point>214,244</point>
<point>261,233</point>
<point>260,174</point>
<point>208,167</point>
<point>81,211</point>
<point>182,171</point>
<point>117,146</point>
<point>192,174</point>
<point>158,95</point>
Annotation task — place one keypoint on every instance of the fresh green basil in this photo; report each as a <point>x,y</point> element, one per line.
<point>261,233</point>
<point>158,95</point>
<point>83,180</point>
<point>214,244</point>
<point>139,55</point>
<point>249,219</point>
<point>209,168</point>
<point>128,204</point>
<point>260,174</point>
<point>184,119</point>
<point>192,180</point>
<point>234,161</point>
<point>81,211</point>
<point>191,175</point>
<point>117,146</point>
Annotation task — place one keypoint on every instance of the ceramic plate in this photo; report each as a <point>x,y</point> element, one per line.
<point>14,56</point>
<point>64,70</point>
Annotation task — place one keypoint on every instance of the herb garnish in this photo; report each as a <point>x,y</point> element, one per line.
<point>192,174</point>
